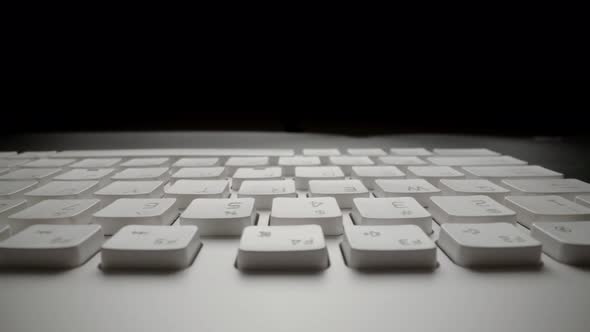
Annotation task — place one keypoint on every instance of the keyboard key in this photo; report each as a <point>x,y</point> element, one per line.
<point>130,189</point>
<point>136,211</point>
<point>567,188</point>
<point>289,163</point>
<point>374,152</point>
<point>220,216</point>
<point>9,207</point>
<point>265,191</point>
<point>469,209</point>
<point>391,211</point>
<point>466,187</point>
<point>401,162</point>
<point>102,175</point>
<point>416,152</point>
<point>304,174</point>
<point>96,163</point>
<point>55,212</point>
<point>41,175</point>
<point>7,154</point>
<point>15,189</point>
<point>51,246</point>
<point>142,174</point>
<point>346,162</point>
<point>434,174</point>
<point>583,200</point>
<point>200,173</point>
<point>465,152</point>
<point>62,190</point>
<point>476,161</point>
<point>322,211</point>
<point>258,173</point>
<point>48,163</point>
<point>146,162</point>
<point>4,232</point>
<point>344,191</point>
<point>4,170</point>
<point>377,247</point>
<point>531,209</point>
<point>494,244</point>
<point>151,247</point>
<point>498,173</point>
<point>11,163</point>
<point>368,174</point>
<point>186,190</point>
<point>282,247</point>
<point>419,189</point>
<point>233,163</point>
<point>195,162</point>
<point>567,242</point>
<point>321,152</point>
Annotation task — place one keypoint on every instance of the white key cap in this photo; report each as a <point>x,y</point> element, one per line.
<point>304,174</point>
<point>567,188</point>
<point>495,244</point>
<point>102,175</point>
<point>15,189</point>
<point>220,216</point>
<point>419,189</point>
<point>401,162</point>
<point>258,173</point>
<point>62,190</point>
<point>406,246</point>
<point>4,170</point>
<point>195,162</point>
<point>11,163</point>
<point>9,207</point>
<point>136,211</point>
<point>469,209</point>
<point>368,174</point>
<point>391,211</point>
<point>4,232</point>
<point>289,163</point>
<point>322,211</point>
<point>96,163</point>
<point>346,162</point>
<point>321,152</point>
<point>51,246</point>
<point>233,163</point>
<point>476,161</point>
<point>567,242</point>
<point>265,191</point>
<point>48,163</point>
<point>186,190</point>
<point>530,209</point>
<point>367,152</point>
<point>34,155</point>
<point>344,191</point>
<point>200,173</point>
<point>465,187</point>
<point>465,152</point>
<point>498,173</point>
<point>173,153</point>
<point>282,247</point>
<point>151,247</point>
<point>142,174</point>
<point>583,200</point>
<point>41,175</point>
<point>434,174</point>
<point>7,154</point>
<point>130,189</point>
<point>146,162</point>
<point>416,152</point>
<point>55,212</point>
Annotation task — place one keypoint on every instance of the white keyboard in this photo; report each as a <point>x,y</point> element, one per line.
<point>180,221</point>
